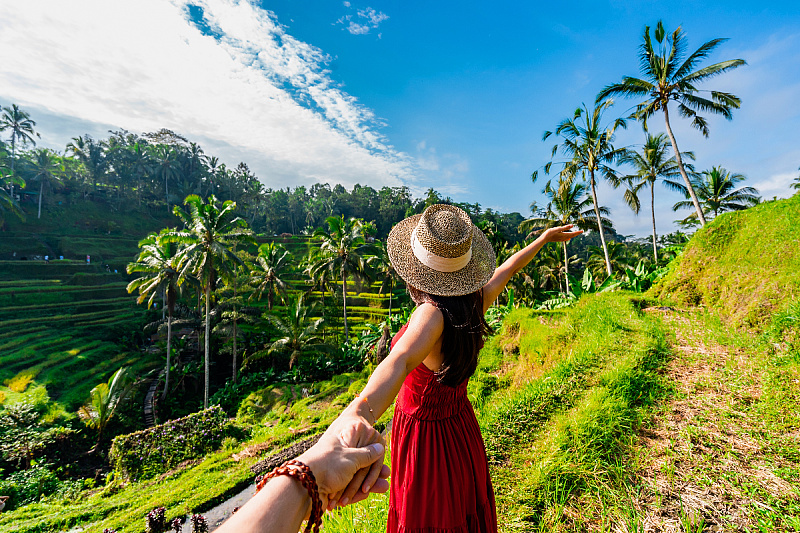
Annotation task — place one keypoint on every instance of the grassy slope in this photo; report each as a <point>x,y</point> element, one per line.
<point>744,265</point>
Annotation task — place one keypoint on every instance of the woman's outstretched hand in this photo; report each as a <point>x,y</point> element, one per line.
<point>561,233</point>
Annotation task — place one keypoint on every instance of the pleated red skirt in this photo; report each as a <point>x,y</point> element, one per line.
<point>440,476</point>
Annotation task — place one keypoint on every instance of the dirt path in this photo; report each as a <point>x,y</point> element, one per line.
<point>709,462</point>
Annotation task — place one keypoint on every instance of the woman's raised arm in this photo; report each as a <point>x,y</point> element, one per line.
<point>519,260</point>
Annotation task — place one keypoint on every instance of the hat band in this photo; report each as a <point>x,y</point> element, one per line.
<point>438,263</point>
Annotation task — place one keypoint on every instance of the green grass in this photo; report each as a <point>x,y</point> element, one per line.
<point>745,265</point>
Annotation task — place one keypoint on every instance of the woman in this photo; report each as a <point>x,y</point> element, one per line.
<point>440,475</point>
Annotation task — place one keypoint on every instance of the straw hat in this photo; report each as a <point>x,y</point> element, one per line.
<point>441,252</point>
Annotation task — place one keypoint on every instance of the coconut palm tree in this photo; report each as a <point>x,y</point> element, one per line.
<point>382,271</point>
<point>8,203</point>
<point>105,399</point>
<point>342,248</point>
<point>166,162</point>
<point>158,266</point>
<point>92,155</point>
<point>649,166</point>
<point>617,253</point>
<point>588,146</point>
<point>208,238</point>
<point>46,169</point>
<point>297,332</point>
<point>21,125</point>
<point>668,77</point>
<point>796,184</point>
<point>568,204</point>
<point>717,192</point>
<point>268,270</point>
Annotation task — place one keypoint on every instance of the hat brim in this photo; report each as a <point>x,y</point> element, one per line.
<point>465,281</point>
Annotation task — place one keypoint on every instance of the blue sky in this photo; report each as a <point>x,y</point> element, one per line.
<point>448,95</point>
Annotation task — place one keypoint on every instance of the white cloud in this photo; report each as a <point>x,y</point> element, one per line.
<point>366,20</point>
<point>248,89</point>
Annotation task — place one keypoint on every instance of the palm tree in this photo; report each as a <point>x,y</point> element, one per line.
<point>617,253</point>
<point>21,125</point>
<point>589,149</point>
<point>298,331</point>
<point>208,238</point>
<point>651,165</point>
<point>717,192</point>
<point>796,184</point>
<point>104,400</point>
<point>383,271</point>
<point>267,271</point>
<point>569,204</point>
<point>342,247</point>
<point>167,166</point>
<point>158,264</point>
<point>45,169</point>
<point>7,201</point>
<point>92,156</point>
<point>668,77</point>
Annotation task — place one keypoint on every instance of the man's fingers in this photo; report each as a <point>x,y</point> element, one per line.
<point>353,487</point>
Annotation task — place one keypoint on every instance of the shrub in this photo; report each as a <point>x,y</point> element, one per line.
<point>151,452</point>
<point>28,486</point>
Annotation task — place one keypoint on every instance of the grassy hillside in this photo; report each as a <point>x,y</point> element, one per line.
<point>745,265</point>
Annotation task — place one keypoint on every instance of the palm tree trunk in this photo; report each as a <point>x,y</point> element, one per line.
<point>208,305</point>
<point>390,300</point>
<point>169,362</point>
<point>41,188</point>
<point>697,208</point>
<point>566,268</point>
<point>599,223</point>
<point>344,304</point>
<point>653,211</point>
<point>13,157</point>
<point>235,280</point>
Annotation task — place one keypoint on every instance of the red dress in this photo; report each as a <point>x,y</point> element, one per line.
<point>440,475</point>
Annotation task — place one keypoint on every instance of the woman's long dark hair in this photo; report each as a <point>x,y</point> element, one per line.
<point>465,329</point>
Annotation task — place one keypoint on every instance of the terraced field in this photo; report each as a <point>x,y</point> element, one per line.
<point>60,326</point>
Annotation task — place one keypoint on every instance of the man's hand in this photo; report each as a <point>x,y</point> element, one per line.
<point>349,447</point>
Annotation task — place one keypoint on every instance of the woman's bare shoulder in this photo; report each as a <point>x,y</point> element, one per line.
<point>426,317</point>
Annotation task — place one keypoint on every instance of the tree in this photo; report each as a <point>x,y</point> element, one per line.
<point>45,169</point>
<point>651,165</point>
<point>342,249</point>
<point>297,332</point>
<point>22,435</point>
<point>588,146</point>
<point>668,77</point>
<point>21,125</point>
<point>8,203</point>
<point>382,271</point>
<point>717,192</point>
<point>208,238</point>
<point>796,184</point>
<point>568,204</point>
<point>91,154</point>
<point>617,253</point>
<point>268,269</point>
<point>158,263</point>
<point>104,399</point>
<point>166,165</point>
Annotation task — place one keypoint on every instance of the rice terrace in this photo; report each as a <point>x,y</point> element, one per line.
<point>197,275</point>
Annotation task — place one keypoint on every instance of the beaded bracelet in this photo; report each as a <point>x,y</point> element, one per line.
<point>303,474</point>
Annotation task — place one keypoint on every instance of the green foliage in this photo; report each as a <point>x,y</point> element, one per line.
<point>26,486</point>
<point>147,453</point>
<point>24,434</point>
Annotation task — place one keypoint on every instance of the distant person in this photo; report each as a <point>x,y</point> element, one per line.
<point>3,500</point>
<point>60,257</point>
<point>88,259</point>
<point>440,473</point>
<point>47,259</point>
<point>282,504</point>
